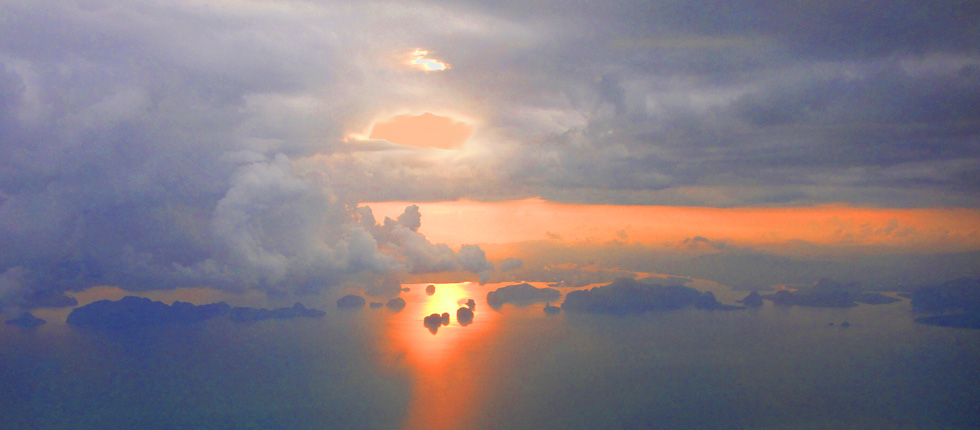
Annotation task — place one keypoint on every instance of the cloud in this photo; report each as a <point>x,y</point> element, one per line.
<point>510,263</point>
<point>415,253</point>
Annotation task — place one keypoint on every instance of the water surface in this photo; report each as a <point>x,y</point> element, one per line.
<point>514,367</point>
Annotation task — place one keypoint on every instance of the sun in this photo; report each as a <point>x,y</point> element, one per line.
<point>420,61</point>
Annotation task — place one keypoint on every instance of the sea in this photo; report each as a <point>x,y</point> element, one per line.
<point>515,367</point>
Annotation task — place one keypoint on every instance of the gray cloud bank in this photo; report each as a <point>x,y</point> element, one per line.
<point>151,144</point>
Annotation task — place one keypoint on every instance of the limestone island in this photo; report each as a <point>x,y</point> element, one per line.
<point>396,304</point>
<point>464,315</point>
<point>351,301</point>
<point>521,294</point>
<point>131,312</point>
<point>246,314</point>
<point>26,320</point>
<point>629,296</point>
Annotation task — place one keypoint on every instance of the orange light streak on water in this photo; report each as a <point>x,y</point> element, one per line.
<point>441,363</point>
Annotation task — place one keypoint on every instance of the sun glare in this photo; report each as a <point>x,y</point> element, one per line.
<point>420,61</point>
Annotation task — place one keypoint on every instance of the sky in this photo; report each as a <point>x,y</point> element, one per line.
<point>244,145</point>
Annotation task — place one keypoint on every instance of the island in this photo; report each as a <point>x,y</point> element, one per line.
<point>396,304</point>
<point>26,320</point>
<point>629,296</point>
<point>828,293</point>
<point>247,314</point>
<point>134,312</point>
<point>464,315</point>
<point>957,303</point>
<point>130,312</point>
<point>961,294</point>
<point>351,301</point>
<point>521,294</point>
<point>753,300</point>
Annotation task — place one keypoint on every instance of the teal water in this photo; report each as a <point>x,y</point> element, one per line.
<point>515,368</point>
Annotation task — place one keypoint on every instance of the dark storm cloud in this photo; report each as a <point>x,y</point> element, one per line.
<point>764,102</point>
<point>717,104</point>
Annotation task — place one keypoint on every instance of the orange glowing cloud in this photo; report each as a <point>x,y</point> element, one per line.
<point>461,222</point>
<point>424,131</point>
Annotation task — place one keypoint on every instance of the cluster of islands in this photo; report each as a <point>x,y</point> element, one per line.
<point>953,304</point>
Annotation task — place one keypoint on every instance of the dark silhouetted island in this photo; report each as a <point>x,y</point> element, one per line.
<point>708,301</point>
<point>753,300</point>
<point>828,293</point>
<point>430,289</point>
<point>247,314</point>
<point>26,320</point>
<point>961,294</point>
<point>131,312</point>
<point>521,294</point>
<point>351,301</point>
<point>829,299</point>
<point>551,310</point>
<point>825,299</point>
<point>870,298</point>
<point>958,299</point>
<point>967,320</point>
<point>434,321</point>
<point>396,303</point>
<point>51,299</point>
<point>471,304</point>
<point>464,315</point>
<point>627,296</point>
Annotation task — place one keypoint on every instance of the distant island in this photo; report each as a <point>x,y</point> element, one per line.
<point>521,294</point>
<point>628,296</point>
<point>961,294</point>
<point>130,312</point>
<point>26,320</point>
<point>351,301</point>
<point>396,303</point>
<point>827,293</point>
<point>259,314</point>
<point>134,312</point>
<point>966,320</point>
<point>957,302</point>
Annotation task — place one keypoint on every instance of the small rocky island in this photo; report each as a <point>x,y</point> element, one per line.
<point>464,315</point>
<point>396,304</point>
